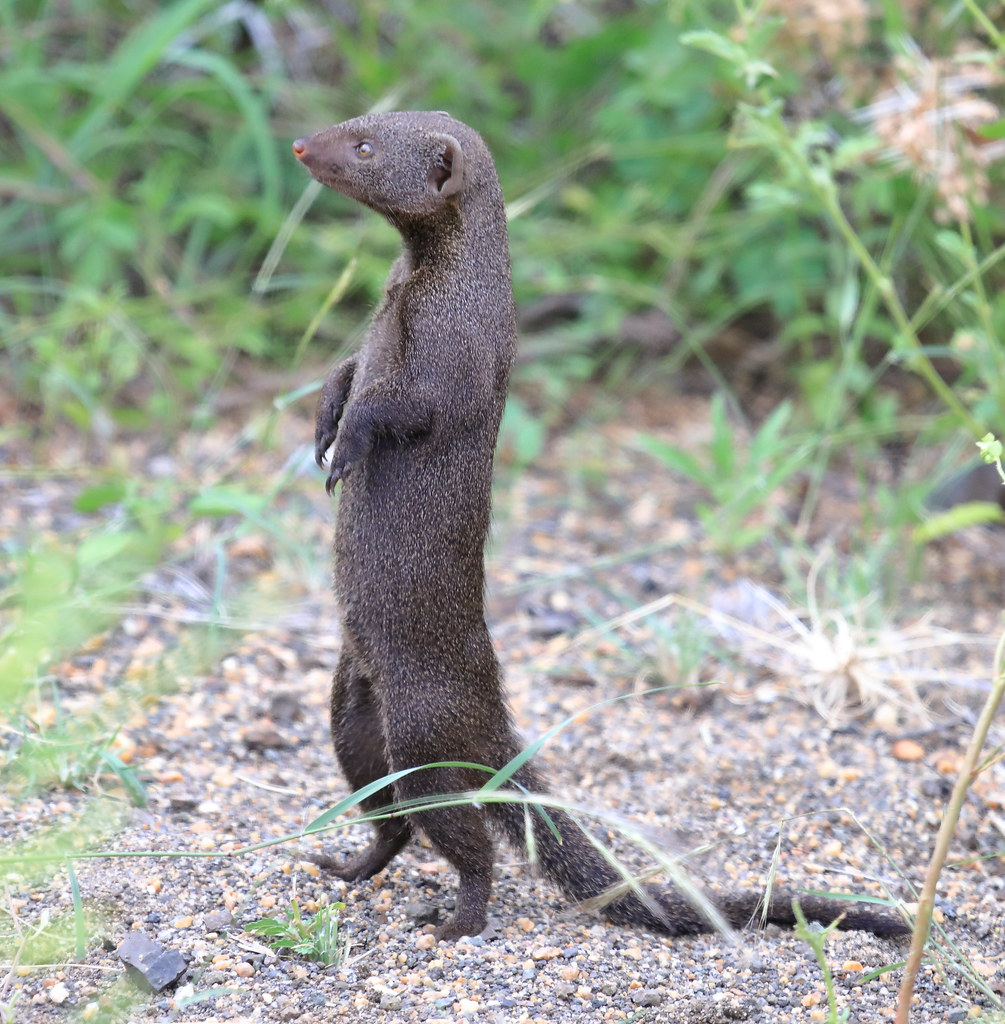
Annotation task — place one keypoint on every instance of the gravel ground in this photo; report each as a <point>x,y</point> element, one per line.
<point>235,752</point>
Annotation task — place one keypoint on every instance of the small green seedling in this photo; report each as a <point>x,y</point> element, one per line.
<point>316,938</point>
<point>816,937</point>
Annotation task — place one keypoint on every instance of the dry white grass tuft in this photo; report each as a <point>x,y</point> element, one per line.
<point>929,120</point>
<point>829,659</point>
<point>835,661</point>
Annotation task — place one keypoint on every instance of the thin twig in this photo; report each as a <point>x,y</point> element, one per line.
<point>968,772</point>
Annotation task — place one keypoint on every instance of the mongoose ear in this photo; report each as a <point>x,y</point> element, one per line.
<point>446,175</point>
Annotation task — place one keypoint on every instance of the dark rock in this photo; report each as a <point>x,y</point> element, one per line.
<point>422,913</point>
<point>263,735</point>
<point>217,920</point>
<point>151,965</point>
<point>978,482</point>
<point>285,706</point>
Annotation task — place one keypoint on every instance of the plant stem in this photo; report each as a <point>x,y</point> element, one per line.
<point>986,23</point>
<point>919,361</point>
<point>951,815</point>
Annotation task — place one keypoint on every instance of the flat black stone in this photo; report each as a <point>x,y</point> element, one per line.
<point>150,964</point>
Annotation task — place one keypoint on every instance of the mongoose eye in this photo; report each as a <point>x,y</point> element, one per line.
<point>364,150</point>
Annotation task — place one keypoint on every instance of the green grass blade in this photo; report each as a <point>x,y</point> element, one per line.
<point>136,57</point>
<point>252,108</point>
<point>376,786</point>
<point>79,924</point>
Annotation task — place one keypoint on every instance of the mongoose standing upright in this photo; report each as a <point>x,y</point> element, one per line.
<point>413,419</point>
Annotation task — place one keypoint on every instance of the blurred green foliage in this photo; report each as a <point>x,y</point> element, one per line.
<point>743,166</point>
<point>147,175</point>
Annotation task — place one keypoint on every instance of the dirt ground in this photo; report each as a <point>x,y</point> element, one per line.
<point>225,720</point>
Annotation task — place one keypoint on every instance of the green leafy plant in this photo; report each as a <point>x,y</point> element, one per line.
<point>815,937</point>
<point>990,449</point>
<point>960,265</point>
<point>316,938</point>
<point>739,478</point>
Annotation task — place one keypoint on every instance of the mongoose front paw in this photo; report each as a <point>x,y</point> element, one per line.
<point>356,867</point>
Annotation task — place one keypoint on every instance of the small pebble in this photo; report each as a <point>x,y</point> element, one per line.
<point>390,1000</point>
<point>217,920</point>
<point>647,997</point>
<point>907,750</point>
<point>545,953</point>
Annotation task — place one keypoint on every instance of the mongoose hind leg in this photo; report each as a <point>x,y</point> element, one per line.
<point>358,738</point>
<point>460,835</point>
<point>424,734</point>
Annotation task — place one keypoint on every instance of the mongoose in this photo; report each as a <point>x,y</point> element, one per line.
<point>413,419</point>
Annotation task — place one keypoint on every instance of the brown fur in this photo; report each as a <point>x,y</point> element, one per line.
<point>413,419</point>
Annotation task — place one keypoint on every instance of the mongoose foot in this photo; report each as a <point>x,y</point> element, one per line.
<point>359,866</point>
<point>470,915</point>
<point>455,928</point>
<point>334,394</point>
<point>339,467</point>
<point>351,449</point>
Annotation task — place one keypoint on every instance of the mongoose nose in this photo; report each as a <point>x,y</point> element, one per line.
<point>300,148</point>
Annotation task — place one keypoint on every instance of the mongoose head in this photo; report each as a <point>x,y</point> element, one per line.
<point>404,165</point>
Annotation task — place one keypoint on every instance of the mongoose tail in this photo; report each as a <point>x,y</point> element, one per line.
<point>582,873</point>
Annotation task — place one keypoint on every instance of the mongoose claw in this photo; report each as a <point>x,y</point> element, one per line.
<point>336,473</point>
<point>322,442</point>
<point>351,450</point>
